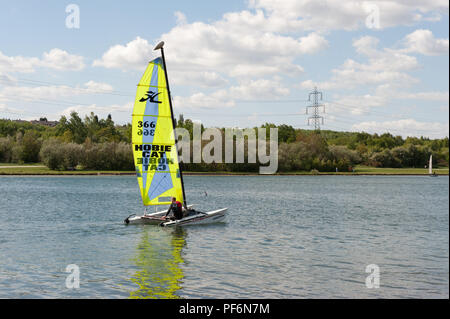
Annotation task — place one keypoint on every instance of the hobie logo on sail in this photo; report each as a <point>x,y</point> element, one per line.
<point>150,96</point>
<point>154,157</point>
<point>149,150</point>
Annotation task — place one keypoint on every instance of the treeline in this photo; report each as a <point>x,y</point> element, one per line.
<point>99,144</point>
<point>113,156</point>
<point>326,151</point>
<point>92,143</point>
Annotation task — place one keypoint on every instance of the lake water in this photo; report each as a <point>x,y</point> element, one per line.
<point>285,237</point>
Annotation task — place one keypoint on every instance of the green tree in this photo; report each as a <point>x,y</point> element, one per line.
<point>77,128</point>
<point>286,134</point>
<point>31,145</point>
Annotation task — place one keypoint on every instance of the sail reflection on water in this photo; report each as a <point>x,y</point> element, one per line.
<point>159,259</point>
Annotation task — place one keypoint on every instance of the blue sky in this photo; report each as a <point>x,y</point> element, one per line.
<point>234,63</point>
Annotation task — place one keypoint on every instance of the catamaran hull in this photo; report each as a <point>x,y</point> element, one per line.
<point>151,219</point>
<point>145,219</point>
<point>215,216</point>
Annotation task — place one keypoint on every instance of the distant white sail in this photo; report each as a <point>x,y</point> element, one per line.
<point>430,165</point>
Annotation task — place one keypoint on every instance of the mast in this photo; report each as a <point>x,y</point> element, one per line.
<point>160,46</point>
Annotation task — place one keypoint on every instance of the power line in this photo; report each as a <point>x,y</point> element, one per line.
<point>271,101</point>
<point>363,111</point>
<point>87,90</point>
<point>315,104</point>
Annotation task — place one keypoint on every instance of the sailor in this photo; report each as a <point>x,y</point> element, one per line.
<point>176,208</point>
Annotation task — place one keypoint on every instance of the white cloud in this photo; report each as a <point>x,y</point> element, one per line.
<point>312,43</point>
<point>51,92</point>
<point>383,96</point>
<point>134,55</point>
<point>54,59</point>
<point>61,60</point>
<point>358,104</point>
<point>98,87</point>
<point>326,15</point>
<point>181,18</point>
<point>120,110</point>
<point>427,96</point>
<point>424,42</point>
<point>254,71</point>
<point>201,100</point>
<point>200,78</point>
<point>258,89</point>
<point>405,127</point>
<point>218,47</point>
<point>17,64</point>
<point>36,93</point>
<point>253,89</point>
<point>384,75</point>
<point>207,54</point>
<point>383,67</point>
<point>238,52</point>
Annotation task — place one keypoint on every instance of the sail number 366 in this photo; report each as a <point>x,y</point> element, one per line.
<point>146,128</point>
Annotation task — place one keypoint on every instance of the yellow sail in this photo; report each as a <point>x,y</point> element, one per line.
<point>153,140</point>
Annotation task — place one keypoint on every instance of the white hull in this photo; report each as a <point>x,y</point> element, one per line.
<point>152,219</point>
<point>215,216</point>
<point>196,218</point>
<point>430,165</point>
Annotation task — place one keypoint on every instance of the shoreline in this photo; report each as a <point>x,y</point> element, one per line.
<point>220,174</point>
<point>40,170</point>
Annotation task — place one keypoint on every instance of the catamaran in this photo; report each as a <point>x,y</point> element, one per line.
<point>430,167</point>
<point>155,151</point>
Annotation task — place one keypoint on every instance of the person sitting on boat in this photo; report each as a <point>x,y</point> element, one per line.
<point>176,208</point>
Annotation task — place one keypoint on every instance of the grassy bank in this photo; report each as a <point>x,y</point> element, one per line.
<point>43,170</point>
<point>39,169</point>
<point>398,171</point>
